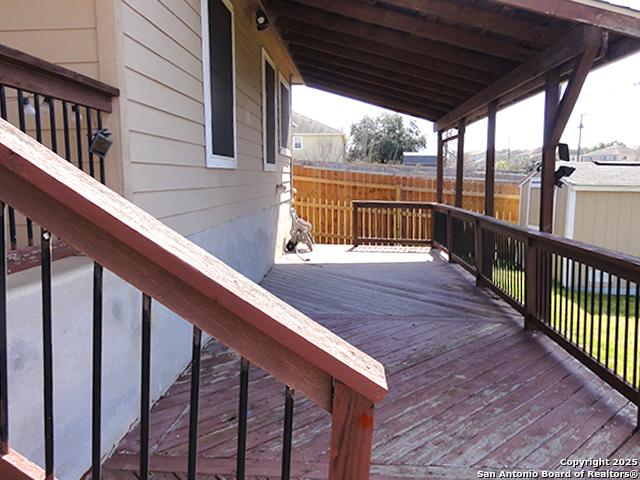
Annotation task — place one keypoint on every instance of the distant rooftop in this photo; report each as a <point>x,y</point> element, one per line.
<point>590,174</point>
<point>306,125</point>
<point>415,158</point>
<point>613,153</point>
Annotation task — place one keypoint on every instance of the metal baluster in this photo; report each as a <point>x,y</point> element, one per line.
<point>617,327</point>
<point>288,434</point>
<point>102,169</point>
<point>196,355</point>
<point>65,127</point>
<point>600,317</point>
<point>627,303</point>
<point>52,121</point>
<point>22,124</point>
<point>243,410</point>
<point>593,309</point>
<point>145,382</point>
<point>636,352</point>
<point>579,296</point>
<point>78,117</point>
<point>96,403</point>
<point>4,383</point>
<point>12,222</point>
<point>89,138</point>
<point>608,320</point>
<point>47,341</point>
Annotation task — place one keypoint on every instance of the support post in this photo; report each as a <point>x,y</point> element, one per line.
<point>547,183</point>
<point>440,170</point>
<point>351,435</point>
<point>460,163</point>
<point>490,168</point>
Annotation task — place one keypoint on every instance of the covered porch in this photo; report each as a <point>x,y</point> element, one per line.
<point>470,390</point>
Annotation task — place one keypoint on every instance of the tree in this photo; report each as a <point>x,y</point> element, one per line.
<point>383,139</point>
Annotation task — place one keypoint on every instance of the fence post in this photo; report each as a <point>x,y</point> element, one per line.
<point>531,286</point>
<point>356,225</point>
<point>351,435</point>
<point>478,251</point>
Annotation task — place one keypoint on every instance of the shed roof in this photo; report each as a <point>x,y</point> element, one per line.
<point>444,60</point>
<point>609,175</point>
<point>305,125</point>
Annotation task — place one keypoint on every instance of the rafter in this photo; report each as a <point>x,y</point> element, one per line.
<point>379,72</point>
<point>299,18</point>
<point>565,50</point>
<point>309,65</point>
<point>421,27</point>
<point>315,36</point>
<point>597,13</point>
<point>485,20</point>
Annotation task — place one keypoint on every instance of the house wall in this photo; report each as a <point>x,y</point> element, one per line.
<point>321,148</point>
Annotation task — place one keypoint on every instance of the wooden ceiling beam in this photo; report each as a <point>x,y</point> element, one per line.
<point>421,27</point>
<point>622,20</point>
<point>372,99</point>
<point>360,70</point>
<point>315,35</point>
<point>537,36</point>
<point>300,18</point>
<point>565,50</point>
<point>415,102</point>
<point>399,90</point>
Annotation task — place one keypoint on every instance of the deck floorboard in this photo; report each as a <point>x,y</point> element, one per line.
<point>469,388</point>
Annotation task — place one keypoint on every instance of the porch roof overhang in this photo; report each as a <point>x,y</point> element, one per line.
<point>447,60</point>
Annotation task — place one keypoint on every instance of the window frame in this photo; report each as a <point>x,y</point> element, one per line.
<point>213,160</point>
<point>301,143</point>
<point>266,58</point>
<point>283,82</point>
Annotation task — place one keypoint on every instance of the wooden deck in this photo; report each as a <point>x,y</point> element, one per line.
<point>469,389</point>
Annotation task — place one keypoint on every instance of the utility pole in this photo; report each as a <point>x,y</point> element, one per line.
<point>581,126</point>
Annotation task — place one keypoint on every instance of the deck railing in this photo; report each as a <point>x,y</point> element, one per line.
<point>379,222</point>
<point>587,299</point>
<point>61,109</point>
<point>198,287</point>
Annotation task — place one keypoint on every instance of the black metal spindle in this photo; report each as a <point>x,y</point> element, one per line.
<point>593,309</point>
<point>101,159</point>
<point>578,300</point>
<point>600,307</point>
<point>616,336</point>
<point>288,434</point>
<point>78,118</point>
<point>627,337</point>
<point>89,138</point>
<point>196,355</point>
<point>145,382</point>
<point>243,410</point>
<point>47,341</point>
<point>65,128</point>
<point>636,351</point>
<point>52,121</point>
<point>608,346</point>
<point>4,382</point>
<point>96,394</point>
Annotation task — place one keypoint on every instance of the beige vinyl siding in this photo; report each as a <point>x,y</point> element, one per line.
<point>609,219</point>
<point>165,113</point>
<point>321,148</point>
<point>62,32</point>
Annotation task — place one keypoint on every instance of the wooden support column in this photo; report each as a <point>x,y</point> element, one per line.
<point>351,435</point>
<point>490,168</point>
<point>460,163</point>
<point>440,170</point>
<point>547,183</point>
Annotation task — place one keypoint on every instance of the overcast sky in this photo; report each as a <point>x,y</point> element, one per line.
<point>610,102</point>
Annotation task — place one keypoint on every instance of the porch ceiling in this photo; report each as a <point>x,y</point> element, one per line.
<point>444,60</point>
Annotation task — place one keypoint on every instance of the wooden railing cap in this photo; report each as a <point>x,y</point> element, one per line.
<point>44,173</point>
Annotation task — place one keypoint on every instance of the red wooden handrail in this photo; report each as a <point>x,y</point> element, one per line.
<point>201,289</point>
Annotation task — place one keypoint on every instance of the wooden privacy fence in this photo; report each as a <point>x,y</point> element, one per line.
<point>324,197</point>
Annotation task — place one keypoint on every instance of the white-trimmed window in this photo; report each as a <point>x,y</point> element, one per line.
<point>269,112</point>
<point>285,116</point>
<point>297,143</point>
<point>218,60</point>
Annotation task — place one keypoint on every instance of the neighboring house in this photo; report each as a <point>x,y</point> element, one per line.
<point>593,205</point>
<point>205,150</point>
<point>616,153</point>
<point>419,159</point>
<point>315,141</point>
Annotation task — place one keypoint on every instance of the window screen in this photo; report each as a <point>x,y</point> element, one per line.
<point>221,71</point>
<point>284,115</point>
<point>270,113</point>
